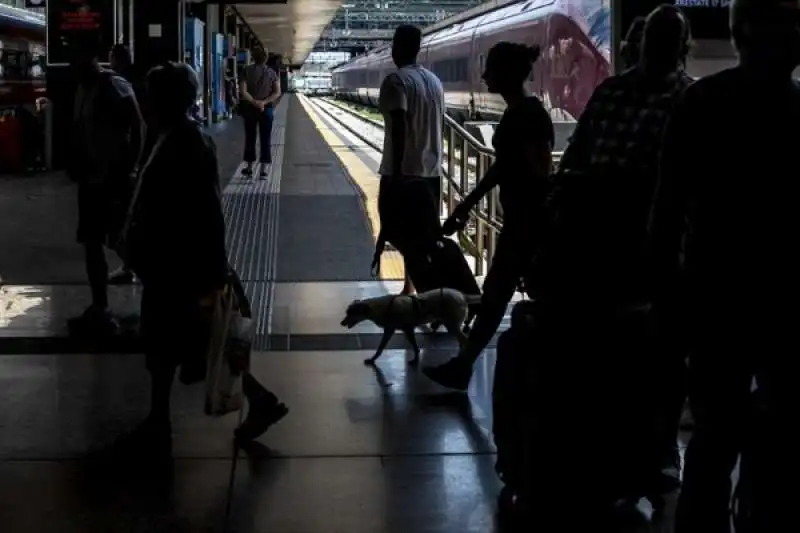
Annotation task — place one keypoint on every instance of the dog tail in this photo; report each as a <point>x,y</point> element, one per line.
<point>472,299</point>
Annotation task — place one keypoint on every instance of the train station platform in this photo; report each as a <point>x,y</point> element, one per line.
<point>362,450</point>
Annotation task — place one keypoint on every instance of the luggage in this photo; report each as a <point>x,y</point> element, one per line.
<point>563,383</point>
<point>444,266</point>
<point>511,402</point>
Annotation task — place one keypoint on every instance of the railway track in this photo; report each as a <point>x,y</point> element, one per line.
<point>371,132</point>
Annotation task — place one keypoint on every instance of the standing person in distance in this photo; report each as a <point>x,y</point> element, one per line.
<point>412,103</point>
<point>260,89</point>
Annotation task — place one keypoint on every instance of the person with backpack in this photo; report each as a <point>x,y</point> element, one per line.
<point>108,135</point>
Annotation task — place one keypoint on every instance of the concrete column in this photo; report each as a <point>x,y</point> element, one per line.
<point>158,37</point>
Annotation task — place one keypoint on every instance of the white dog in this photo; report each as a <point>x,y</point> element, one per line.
<point>392,312</point>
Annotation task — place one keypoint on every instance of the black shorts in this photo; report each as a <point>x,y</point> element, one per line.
<point>95,208</point>
<point>102,209</point>
<point>435,185</point>
<point>396,203</point>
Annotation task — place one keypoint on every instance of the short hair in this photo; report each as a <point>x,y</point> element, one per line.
<point>259,55</point>
<point>515,60</point>
<point>408,38</point>
<point>636,30</point>
<point>172,88</point>
<point>666,33</point>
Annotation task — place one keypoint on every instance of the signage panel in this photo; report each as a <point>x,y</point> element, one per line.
<point>69,20</point>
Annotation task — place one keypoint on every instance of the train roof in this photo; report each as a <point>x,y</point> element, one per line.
<point>487,13</point>
<point>21,17</point>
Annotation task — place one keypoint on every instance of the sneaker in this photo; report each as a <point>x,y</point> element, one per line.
<point>258,421</point>
<point>247,171</point>
<point>94,321</point>
<point>264,171</point>
<point>454,374</point>
<point>123,276</point>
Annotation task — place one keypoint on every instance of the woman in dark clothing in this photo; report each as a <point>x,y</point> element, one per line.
<point>176,311</point>
<point>523,144</point>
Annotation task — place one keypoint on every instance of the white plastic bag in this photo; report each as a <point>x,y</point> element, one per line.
<point>229,356</point>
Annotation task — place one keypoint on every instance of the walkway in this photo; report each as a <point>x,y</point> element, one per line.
<point>362,451</point>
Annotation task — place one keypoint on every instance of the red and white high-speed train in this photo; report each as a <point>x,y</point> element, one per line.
<point>574,36</point>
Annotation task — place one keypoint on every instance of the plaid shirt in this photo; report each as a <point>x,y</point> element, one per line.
<point>603,191</point>
<point>622,126</point>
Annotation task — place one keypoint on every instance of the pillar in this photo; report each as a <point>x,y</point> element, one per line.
<point>157,37</point>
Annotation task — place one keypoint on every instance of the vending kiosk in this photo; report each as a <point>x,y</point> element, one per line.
<point>194,56</point>
<point>218,107</point>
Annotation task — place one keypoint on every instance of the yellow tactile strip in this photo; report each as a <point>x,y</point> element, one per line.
<point>367,185</point>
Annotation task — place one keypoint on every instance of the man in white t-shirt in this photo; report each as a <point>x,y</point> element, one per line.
<point>412,103</point>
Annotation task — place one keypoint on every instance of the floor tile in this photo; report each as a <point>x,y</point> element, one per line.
<point>358,495</point>
<point>339,407</point>
<point>79,497</point>
<point>71,405</point>
<point>43,310</point>
<point>346,495</point>
<point>441,494</point>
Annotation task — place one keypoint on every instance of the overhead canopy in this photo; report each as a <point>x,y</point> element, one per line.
<point>291,29</point>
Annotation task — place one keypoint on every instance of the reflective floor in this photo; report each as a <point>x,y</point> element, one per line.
<point>362,450</point>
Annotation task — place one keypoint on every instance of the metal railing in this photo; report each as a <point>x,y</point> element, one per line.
<point>466,160</point>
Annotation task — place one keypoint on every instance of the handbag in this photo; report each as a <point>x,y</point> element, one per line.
<point>232,331</point>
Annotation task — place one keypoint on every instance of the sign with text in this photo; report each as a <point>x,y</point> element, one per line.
<point>709,18</point>
<point>79,22</point>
